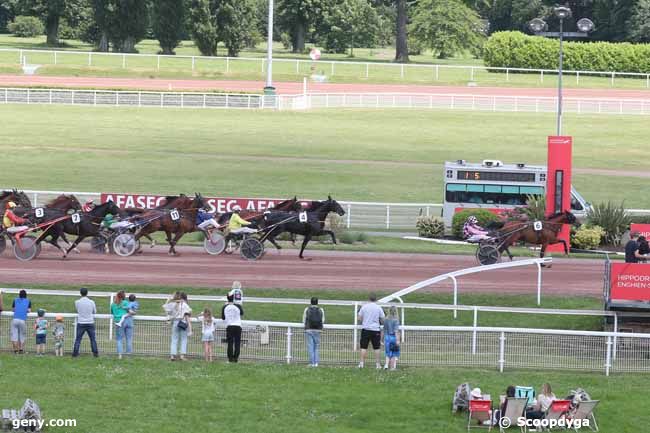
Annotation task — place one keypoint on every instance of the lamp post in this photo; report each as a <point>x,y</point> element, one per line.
<point>268,88</point>
<point>539,27</point>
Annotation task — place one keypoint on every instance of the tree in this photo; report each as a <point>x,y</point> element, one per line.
<point>401,33</point>
<point>350,24</point>
<point>610,17</point>
<point>447,27</point>
<point>99,32</point>
<point>638,27</point>
<point>7,13</point>
<point>168,19</point>
<point>204,28</point>
<point>298,17</point>
<point>128,24</point>
<point>50,11</point>
<point>236,24</point>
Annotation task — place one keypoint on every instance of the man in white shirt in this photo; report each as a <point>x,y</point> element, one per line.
<point>237,293</point>
<point>231,313</point>
<point>371,317</point>
<point>86,311</point>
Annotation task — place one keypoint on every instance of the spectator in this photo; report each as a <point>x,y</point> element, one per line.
<point>231,313</point>
<point>119,309</point>
<point>371,317</point>
<point>59,330</point>
<point>391,339</point>
<point>313,318</point>
<point>644,248</point>
<point>632,254</point>
<point>179,312</point>
<point>132,309</point>
<point>208,328</point>
<point>86,311</point>
<point>510,393</point>
<point>21,306</point>
<point>40,330</point>
<point>237,293</point>
<point>127,322</point>
<point>546,398</point>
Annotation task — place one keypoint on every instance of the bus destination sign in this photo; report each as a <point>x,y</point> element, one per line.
<point>496,176</point>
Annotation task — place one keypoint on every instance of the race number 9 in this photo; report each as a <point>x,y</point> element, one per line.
<point>537,225</point>
<point>76,218</point>
<point>302,217</point>
<point>39,212</point>
<point>175,216</point>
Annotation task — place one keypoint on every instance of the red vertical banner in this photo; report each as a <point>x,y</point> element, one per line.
<point>558,181</point>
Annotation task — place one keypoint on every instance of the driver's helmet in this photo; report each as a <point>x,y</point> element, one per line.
<point>236,208</point>
<point>472,219</point>
<point>90,203</point>
<point>11,205</point>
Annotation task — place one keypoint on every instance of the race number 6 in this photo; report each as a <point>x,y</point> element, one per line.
<point>175,216</point>
<point>39,212</point>
<point>537,225</point>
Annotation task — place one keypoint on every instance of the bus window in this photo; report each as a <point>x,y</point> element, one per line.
<point>575,204</point>
<point>532,190</point>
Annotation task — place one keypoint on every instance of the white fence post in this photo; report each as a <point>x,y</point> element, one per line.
<point>608,358</point>
<point>123,61</point>
<point>227,65</point>
<point>507,74</point>
<point>453,279</point>
<point>158,63</point>
<point>539,284</point>
<point>347,224</point>
<point>35,201</point>
<point>90,58</point>
<point>289,334</point>
<point>615,335</point>
<point>437,72</point>
<point>387,217</point>
<point>401,72</point>
<point>55,59</point>
<point>613,78</point>
<point>471,73</point>
<point>332,74</point>
<point>139,99</point>
<point>355,332</point>
<point>474,331</point>
<point>193,63</point>
<point>577,77</point>
<point>367,69</point>
<point>297,66</point>
<point>502,351</point>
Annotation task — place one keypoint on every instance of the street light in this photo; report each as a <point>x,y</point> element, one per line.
<point>268,88</point>
<point>539,27</point>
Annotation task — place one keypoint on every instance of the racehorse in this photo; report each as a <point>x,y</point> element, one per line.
<point>313,223</point>
<point>19,197</point>
<point>257,216</point>
<point>161,219</point>
<point>137,212</point>
<point>514,231</point>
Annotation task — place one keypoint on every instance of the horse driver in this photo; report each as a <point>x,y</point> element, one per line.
<point>10,219</point>
<point>109,222</point>
<point>88,206</point>
<point>237,225</point>
<point>205,220</point>
<point>472,231</point>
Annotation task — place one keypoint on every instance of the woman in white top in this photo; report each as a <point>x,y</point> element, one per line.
<point>545,398</point>
<point>179,312</point>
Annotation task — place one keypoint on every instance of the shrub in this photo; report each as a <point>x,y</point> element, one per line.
<point>430,227</point>
<point>484,217</point>
<point>362,237</point>
<point>26,27</point>
<point>517,50</point>
<point>612,218</point>
<point>347,237</point>
<point>535,207</point>
<point>588,237</point>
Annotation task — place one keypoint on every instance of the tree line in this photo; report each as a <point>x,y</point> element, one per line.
<point>444,27</point>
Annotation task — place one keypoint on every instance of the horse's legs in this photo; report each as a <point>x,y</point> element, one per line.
<point>80,238</point>
<point>174,241</point>
<point>304,244</point>
<point>566,247</point>
<point>507,250</point>
<point>151,240</point>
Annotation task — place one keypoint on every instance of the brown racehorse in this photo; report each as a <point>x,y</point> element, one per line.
<point>162,219</point>
<point>515,231</point>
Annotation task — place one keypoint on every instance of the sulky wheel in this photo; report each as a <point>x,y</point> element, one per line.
<point>125,245</point>
<point>3,243</point>
<point>26,249</point>
<point>251,249</point>
<point>488,254</point>
<point>215,244</point>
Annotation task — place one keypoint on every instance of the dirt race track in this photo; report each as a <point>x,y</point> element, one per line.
<point>327,270</point>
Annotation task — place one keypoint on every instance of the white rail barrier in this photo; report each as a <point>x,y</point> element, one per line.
<point>425,346</point>
<point>359,215</point>
<point>303,67</point>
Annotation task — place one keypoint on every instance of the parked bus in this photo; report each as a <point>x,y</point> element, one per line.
<point>496,186</point>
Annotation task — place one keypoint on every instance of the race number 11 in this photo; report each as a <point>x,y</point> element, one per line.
<point>174,215</point>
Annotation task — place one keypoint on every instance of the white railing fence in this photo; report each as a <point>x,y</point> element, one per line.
<point>494,103</point>
<point>498,348</point>
<point>322,68</point>
<point>359,215</point>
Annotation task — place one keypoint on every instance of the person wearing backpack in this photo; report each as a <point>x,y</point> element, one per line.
<point>313,317</point>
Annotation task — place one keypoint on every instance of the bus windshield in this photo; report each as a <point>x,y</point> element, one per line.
<point>511,195</point>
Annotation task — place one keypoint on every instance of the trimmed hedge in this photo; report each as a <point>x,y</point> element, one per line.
<point>430,227</point>
<point>518,50</point>
<point>26,27</point>
<point>588,238</point>
<point>484,217</point>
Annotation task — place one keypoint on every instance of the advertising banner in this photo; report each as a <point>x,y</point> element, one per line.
<point>630,282</point>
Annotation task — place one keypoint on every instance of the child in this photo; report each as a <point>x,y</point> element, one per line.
<point>40,330</point>
<point>208,329</point>
<point>58,336</point>
<point>237,293</point>
<point>133,308</point>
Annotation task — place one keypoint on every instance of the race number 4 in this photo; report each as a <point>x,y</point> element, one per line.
<point>175,216</point>
<point>76,218</point>
<point>39,212</point>
<point>537,225</point>
<point>302,217</point>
